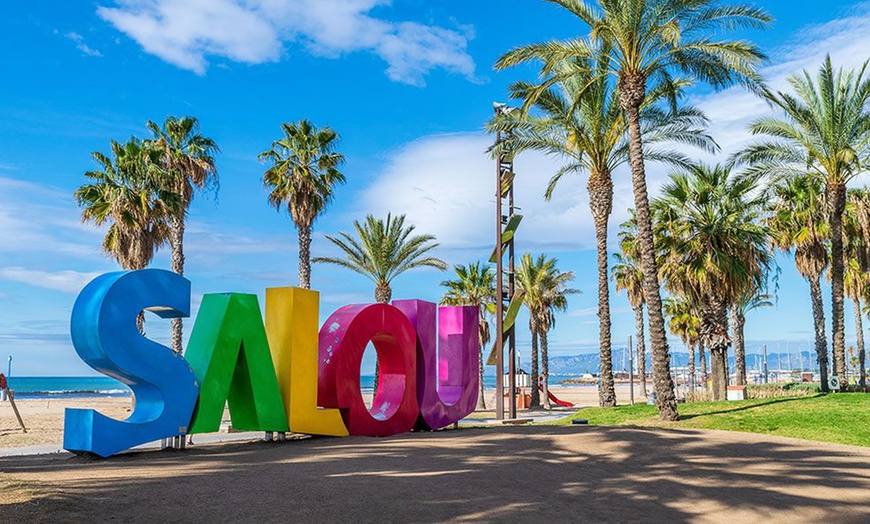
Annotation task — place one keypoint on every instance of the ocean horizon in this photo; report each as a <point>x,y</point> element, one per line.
<point>35,388</point>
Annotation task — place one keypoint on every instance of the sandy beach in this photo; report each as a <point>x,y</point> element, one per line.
<point>44,418</point>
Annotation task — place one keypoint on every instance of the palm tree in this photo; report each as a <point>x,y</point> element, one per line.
<point>303,177</point>
<point>825,133</point>
<point>650,42</point>
<point>685,324</point>
<point>474,286</point>
<point>128,192</point>
<point>797,222</point>
<point>545,291</point>
<point>383,250</point>
<point>188,158</point>
<point>713,250</point>
<point>749,300</point>
<point>629,277</point>
<point>856,282</point>
<point>580,120</point>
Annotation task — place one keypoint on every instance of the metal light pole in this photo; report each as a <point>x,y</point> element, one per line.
<point>505,227</point>
<point>630,372</point>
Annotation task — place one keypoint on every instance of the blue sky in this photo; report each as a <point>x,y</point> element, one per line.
<point>406,83</point>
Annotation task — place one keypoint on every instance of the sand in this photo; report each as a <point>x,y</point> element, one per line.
<point>516,474</point>
<point>44,418</point>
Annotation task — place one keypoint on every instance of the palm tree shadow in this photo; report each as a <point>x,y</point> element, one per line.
<point>743,408</point>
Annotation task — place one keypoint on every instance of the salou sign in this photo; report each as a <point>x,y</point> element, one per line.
<point>278,375</point>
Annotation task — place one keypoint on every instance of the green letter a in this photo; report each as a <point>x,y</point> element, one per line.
<point>229,354</point>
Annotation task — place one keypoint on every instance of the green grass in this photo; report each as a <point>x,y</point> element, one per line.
<point>841,418</point>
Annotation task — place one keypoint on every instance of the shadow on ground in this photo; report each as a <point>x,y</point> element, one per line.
<point>505,474</point>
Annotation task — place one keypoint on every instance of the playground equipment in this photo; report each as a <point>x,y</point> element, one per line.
<point>4,387</point>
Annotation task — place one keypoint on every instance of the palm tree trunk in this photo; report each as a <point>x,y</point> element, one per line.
<point>738,320</point>
<point>176,240</point>
<point>536,396</point>
<point>600,189</point>
<point>714,330</point>
<point>140,322</point>
<point>641,346</point>
<point>836,195</point>
<point>859,330</point>
<point>691,368</point>
<point>821,337</point>
<point>702,361</point>
<point>632,93</point>
<point>545,371</point>
<point>383,294</point>
<point>304,256</point>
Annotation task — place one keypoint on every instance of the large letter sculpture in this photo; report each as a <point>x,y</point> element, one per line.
<point>105,336</point>
<point>343,340</point>
<point>291,324</point>
<point>447,382</point>
<point>230,355</point>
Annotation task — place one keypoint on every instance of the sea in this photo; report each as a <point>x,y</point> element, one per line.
<point>79,387</point>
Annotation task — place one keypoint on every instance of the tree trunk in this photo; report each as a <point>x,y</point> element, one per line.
<point>304,256</point>
<point>632,92</point>
<point>176,240</point>
<point>836,196</point>
<point>714,333</point>
<point>702,360</point>
<point>719,372</point>
<point>691,368</point>
<point>738,320</point>
<point>821,337</point>
<point>140,323</point>
<point>641,346</point>
<point>545,371</point>
<point>536,397</point>
<point>600,189</point>
<point>859,331</point>
<point>383,294</point>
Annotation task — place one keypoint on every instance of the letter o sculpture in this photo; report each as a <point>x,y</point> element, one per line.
<point>342,343</point>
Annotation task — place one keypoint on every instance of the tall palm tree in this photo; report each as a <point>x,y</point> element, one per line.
<point>825,133</point>
<point>713,249</point>
<point>856,282</point>
<point>685,324</point>
<point>188,158</point>
<point>128,192</point>
<point>545,293</point>
<point>797,221</point>
<point>302,177</point>
<point>383,250</point>
<point>580,120</point>
<point>629,277</point>
<point>749,300</point>
<point>650,42</point>
<point>474,286</point>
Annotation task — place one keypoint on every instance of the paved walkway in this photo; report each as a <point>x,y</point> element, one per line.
<point>510,474</point>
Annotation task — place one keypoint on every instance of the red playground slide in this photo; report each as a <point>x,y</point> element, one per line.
<point>556,399</point>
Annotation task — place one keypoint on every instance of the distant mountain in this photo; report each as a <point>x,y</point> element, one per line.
<point>588,363</point>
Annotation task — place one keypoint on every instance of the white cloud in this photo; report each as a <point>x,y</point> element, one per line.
<point>445,183</point>
<point>81,46</point>
<point>66,281</point>
<point>186,32</point>
<point>35,218</point>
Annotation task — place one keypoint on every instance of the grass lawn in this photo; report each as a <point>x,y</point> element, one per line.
<point>842,418</point>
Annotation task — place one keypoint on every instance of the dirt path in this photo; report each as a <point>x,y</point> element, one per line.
<point>504,474</point>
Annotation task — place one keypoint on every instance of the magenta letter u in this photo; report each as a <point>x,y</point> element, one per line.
<point>447,381</point>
